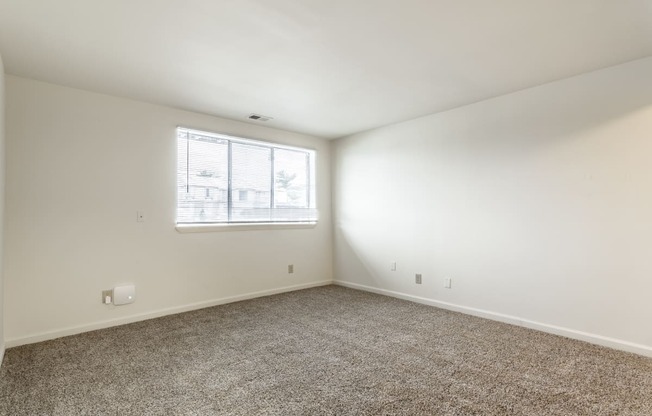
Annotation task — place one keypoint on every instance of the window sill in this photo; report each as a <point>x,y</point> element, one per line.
<point>207,228</point>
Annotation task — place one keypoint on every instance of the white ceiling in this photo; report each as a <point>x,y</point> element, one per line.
<point>323,67</point>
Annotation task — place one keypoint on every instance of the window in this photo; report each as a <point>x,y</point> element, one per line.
<point>229,180</point>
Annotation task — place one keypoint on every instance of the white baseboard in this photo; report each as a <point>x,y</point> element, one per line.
<point>514,320</point>
<point>44,336</point>
<point>2,354</point>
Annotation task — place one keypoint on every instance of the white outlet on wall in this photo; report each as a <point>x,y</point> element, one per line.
<point>417,279</point>
<point>447,282</point>
<point>392,266</point>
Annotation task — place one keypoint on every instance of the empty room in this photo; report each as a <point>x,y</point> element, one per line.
<point>283,207</point>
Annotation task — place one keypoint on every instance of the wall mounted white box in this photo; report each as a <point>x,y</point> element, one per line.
<point>123,295</point>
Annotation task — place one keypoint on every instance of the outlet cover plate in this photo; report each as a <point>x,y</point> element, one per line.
<point>107,294</point>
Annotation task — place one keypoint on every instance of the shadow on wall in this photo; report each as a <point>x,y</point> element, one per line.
<point>351,263</point>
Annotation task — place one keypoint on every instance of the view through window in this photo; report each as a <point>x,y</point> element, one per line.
<point>225,179</point>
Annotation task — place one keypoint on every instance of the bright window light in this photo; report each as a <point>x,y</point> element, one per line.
<point>231,180</point>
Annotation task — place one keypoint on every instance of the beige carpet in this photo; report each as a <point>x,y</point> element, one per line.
<point>323,351</point>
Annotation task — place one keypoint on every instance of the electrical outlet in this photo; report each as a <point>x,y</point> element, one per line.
<point>392,266</point>
<point>140,216</point>
<point>290,268</point>
<point>447,283</point>
<point>417,279</point>
<point>107,297</point>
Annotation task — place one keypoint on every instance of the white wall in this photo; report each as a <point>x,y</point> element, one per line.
<point>537,204</point>
<point>79,166</point>
<point>2,204</point>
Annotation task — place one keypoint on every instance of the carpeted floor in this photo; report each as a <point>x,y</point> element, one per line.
<point>323,351</point>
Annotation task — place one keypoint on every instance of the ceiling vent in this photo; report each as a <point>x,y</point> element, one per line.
<point>258,117</point>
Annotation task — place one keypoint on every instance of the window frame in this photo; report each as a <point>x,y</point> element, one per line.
<point>311,197</point>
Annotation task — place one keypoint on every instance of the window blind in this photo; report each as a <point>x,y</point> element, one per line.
<point>226,179</point>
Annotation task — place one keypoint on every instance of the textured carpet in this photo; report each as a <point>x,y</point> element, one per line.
<point>323,351</point>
